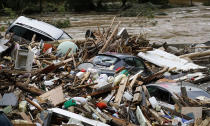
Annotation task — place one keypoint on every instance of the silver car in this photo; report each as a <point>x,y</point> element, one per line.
<point>24,27</point>
<point>165,90</point>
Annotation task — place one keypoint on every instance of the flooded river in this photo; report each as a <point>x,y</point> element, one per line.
<point>179,25</point>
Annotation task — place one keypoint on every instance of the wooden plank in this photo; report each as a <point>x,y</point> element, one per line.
<point>34,104</point>
<point>173,112</point>
<point>25,117</point>
<point>120,92</point>
<point>206,122</point>
<point>101,92</point>
<point>133,82</point>
<point>196,54</point>
<point>146,91</point>
<point>110,38</point>
<point>184,92</point>
<point>137,96</point>
<point>156,116</point>
<point>55,95</point>
<point>197,111</point>
<point>140,117</point>
<point>98,114</point>
<point>120,122</point>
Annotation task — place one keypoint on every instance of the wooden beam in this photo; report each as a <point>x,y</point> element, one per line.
<point>120,92</point>
<point>110,38</point>
<point>137,95</point>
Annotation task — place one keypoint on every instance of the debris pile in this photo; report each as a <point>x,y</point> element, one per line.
<point>52,83</point>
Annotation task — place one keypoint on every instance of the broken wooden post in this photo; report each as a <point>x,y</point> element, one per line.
<point>120,92</point>
<point>110,38</point>
<point>137,95</point>
<point>156,116</point>
<point>34,104</point>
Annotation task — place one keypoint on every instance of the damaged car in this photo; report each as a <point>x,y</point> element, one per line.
<point>24,27</point>
<point>132,63</point>
<point>164,91</point>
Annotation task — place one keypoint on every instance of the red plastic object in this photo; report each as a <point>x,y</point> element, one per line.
<point>118,69</point>
<point>101,105</point>
<point>46,47</point>
<point>83,70</point>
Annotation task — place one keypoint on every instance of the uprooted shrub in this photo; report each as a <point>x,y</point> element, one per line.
<point>142,10</point>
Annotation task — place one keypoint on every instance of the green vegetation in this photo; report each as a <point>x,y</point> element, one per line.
<point>2,29</point>
<point>207,3</point>
<point>142,10</point>
<point>9,12</point>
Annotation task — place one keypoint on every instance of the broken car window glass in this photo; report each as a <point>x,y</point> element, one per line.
<point>104,60</point>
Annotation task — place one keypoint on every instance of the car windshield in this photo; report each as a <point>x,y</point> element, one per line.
<point>194,94</point>
<point>105,60</point>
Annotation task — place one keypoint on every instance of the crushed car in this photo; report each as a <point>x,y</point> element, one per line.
<point>132,63</point>
<point>165,91</point>
<point>24,27</point>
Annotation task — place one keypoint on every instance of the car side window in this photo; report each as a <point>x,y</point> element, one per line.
<point>138,63</point>
<point>40,37</point>
<point>28,34</point>
<point>19,31</point>
<point>129,61</point>
<point>160,94</point>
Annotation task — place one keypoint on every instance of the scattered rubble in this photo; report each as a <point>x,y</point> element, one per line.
<point>54,83</point>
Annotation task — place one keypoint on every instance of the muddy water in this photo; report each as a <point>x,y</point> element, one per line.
<point>180,25</point>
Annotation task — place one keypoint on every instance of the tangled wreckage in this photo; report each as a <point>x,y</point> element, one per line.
<point>108,78</point>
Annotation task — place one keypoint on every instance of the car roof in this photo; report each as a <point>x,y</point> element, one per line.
<point>175,87</point>
<point>42,26</point>
<point>118,55</point>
